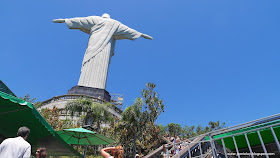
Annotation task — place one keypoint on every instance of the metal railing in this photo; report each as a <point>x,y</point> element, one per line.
<point>72,96</point>
<point>194,148</point>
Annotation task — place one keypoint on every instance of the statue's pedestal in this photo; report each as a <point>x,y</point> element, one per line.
<point>94,92</point>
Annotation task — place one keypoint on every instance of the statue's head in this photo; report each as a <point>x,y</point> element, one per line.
<point>105,15</point>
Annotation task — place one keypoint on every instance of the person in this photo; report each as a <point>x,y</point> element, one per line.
<point>16,147</point>
<point>137,156</point>
<point>176,146</point>
<point>177,138</point>
<point>41,153</point>
<point>117,152</point>
<point>164,153</point>
<point>103,33</point>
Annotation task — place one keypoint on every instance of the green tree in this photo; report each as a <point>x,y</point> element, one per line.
<point>138,120</point>
<point>174,129</point>
<point>161,129</point>
<point>52,117</point>
<point>28,99</point>
<point>200,130</point>
<point>133,121</point>
<point>32,101</point>
<point>94,114</point>
<point>192,131</point>
<point>216,125</point>
<point>189,131</point>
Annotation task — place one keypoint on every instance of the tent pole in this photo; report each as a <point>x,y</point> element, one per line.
<point>77,150</point>
<point>85,151</point>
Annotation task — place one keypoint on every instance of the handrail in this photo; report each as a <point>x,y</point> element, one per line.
<point>159,149</point>
<point>190,147</point>
<point>246,124</point>
<point>69,96</point>
<point>195,142</point>
<point>239,126</point>
<point>235,134</point>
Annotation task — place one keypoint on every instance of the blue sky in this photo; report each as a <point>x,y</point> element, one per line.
<point>211,60</point>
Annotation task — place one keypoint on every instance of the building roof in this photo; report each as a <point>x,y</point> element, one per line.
<point>252,134</point>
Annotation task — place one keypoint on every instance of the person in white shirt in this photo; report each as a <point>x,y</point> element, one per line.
<point>16,147</point>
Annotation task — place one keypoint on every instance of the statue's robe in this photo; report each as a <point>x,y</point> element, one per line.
<point>103,35</point>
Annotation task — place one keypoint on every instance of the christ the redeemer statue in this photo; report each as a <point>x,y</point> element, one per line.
<point>103,33</point>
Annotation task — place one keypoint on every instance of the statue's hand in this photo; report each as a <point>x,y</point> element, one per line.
<point>58,20</point>
<point>147,36</point>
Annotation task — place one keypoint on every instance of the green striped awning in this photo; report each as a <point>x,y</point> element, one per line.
<point>253,137</point>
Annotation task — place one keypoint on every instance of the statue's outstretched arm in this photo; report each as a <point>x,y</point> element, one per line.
<point>147,36</point>
<point>58,20</point>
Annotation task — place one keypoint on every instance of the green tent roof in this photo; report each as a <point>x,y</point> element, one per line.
<point>5,89</point>
<point>252,136</point>
<point>15,113</point>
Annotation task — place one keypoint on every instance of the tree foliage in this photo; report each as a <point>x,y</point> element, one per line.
<point>28,99</point>
<point>138,121</point>
<point>52,117</point>
<point>191,131</point>
<point>94,114</point>
<point>32,101</point>
<point>174,129</point>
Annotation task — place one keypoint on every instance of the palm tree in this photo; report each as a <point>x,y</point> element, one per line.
<point>100,114</point>
<point>94,113</point>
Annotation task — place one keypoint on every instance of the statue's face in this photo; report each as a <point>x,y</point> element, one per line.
<point>105,15</point>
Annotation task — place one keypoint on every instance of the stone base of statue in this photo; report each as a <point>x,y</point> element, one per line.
<point>90,91</point>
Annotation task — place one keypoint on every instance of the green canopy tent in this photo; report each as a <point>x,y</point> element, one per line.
<point>6,89</point>
<point>15,113</point>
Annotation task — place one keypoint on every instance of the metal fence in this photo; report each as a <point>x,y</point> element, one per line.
<point>199,147</point>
